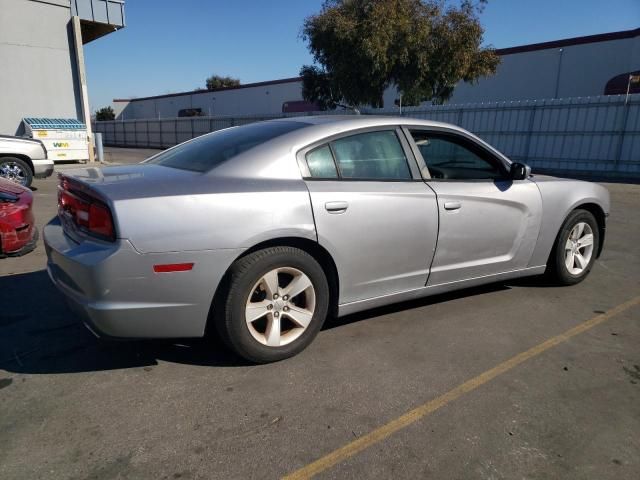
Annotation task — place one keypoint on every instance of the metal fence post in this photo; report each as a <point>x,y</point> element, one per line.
<point>135,133</point>
<point>621,135</point>
<point>527,146</point>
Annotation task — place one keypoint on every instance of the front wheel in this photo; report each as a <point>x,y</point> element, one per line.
<point>16,170</point>
<point>276,302</point>
<point>576,248</point>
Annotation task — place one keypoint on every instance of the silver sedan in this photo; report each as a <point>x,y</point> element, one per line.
<point>260,232</point>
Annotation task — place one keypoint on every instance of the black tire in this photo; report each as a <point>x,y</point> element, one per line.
<point>25,176</point>
<point>231,300</point>
<point>557,270</point>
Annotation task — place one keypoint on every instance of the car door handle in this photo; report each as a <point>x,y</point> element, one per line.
<point>336,207</point>
<point>452,205</point>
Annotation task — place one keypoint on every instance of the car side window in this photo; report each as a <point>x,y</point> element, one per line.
<point>371,156</point>
<point>450,158</point>
<point>321,164</point>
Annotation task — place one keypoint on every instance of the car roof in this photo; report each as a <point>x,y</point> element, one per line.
<point>275,160</point>
<point>364,121</point>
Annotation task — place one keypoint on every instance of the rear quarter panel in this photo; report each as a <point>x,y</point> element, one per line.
<point>240,214</point>
<point>559,198</point>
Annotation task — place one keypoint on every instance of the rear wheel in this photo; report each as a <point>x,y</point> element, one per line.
<point>16,170</point>
<point>276,302</point>
<point>576,248</point>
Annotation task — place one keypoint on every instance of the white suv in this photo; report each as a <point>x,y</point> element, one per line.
<point>23,159</point>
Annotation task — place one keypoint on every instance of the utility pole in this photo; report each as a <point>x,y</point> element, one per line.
<point>632,79</point>
<point>560,52</point>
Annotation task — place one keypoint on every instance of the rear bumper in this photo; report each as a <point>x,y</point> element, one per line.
<point>26,248</point>
<point>42,168</point>
<point>115,292</point>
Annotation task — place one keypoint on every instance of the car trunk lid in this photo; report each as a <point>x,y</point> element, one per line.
<point>106,193</point>
<point>11,187</point>
<point>132,181</point>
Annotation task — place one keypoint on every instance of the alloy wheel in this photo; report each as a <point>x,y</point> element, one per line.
<point>578,248</point>
<point>13,172</point>
<point>280,306</point>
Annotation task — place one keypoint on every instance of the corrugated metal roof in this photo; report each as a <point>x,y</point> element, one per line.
<point>54,123</point>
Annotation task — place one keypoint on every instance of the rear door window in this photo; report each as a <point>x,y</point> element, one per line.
<point>371,156</point>
<point>321,164</point>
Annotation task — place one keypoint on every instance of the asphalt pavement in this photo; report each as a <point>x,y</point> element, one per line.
<point>515,380</point>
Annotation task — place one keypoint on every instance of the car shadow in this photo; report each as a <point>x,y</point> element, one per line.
<point>40,335</point>
<point>410,304</point>
<point>538,281</point>
<point>503,185</point>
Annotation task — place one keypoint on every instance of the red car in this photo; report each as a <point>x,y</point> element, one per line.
<point>18,234</point>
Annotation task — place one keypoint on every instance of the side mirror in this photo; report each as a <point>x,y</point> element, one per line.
<point>519,171</point>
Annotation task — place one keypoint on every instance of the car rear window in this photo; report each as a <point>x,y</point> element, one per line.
<point>204,153</point>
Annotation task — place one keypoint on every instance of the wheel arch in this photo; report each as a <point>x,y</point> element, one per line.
<point>20,156</point>
<point>597,211</point>
<point>319,253</point>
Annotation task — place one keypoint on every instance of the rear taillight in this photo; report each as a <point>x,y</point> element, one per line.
<point>100,220</point>
<point>88,213</point>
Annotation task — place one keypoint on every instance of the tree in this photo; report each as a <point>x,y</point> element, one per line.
<point>216,81</point>
<point>104,114</point>
<point>424,47</point>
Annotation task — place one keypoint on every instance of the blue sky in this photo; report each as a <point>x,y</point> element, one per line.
<point>173,45</point>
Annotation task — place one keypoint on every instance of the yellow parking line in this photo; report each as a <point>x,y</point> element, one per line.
<point>380,433</point>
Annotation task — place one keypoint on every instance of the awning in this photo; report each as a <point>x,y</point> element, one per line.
<point>37,123</point>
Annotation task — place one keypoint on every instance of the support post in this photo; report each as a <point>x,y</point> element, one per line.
<point>82,81</point>
<point>99,148</point>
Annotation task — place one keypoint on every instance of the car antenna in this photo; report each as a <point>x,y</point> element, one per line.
<point>349,107</point>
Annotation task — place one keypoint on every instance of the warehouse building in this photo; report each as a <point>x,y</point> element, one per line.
<point>262,97</point>
<point>42,58</point>
<point>574,67</point>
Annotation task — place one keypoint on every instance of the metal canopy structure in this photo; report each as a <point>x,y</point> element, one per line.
<point>54,123</point>
<point>98,17</point>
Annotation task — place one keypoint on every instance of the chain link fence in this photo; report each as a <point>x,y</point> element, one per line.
<point>587,136</point>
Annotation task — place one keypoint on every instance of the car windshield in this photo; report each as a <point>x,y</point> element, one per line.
<point>206,152</point>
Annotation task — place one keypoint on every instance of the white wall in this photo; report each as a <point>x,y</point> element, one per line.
<point>242,101</point>
<point>584,71</point>
<point>36,54</point>
<point>119,106</point>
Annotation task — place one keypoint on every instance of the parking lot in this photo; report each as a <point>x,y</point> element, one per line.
<point>486,397</point>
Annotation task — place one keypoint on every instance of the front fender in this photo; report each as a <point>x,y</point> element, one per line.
<point>559,198</point>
